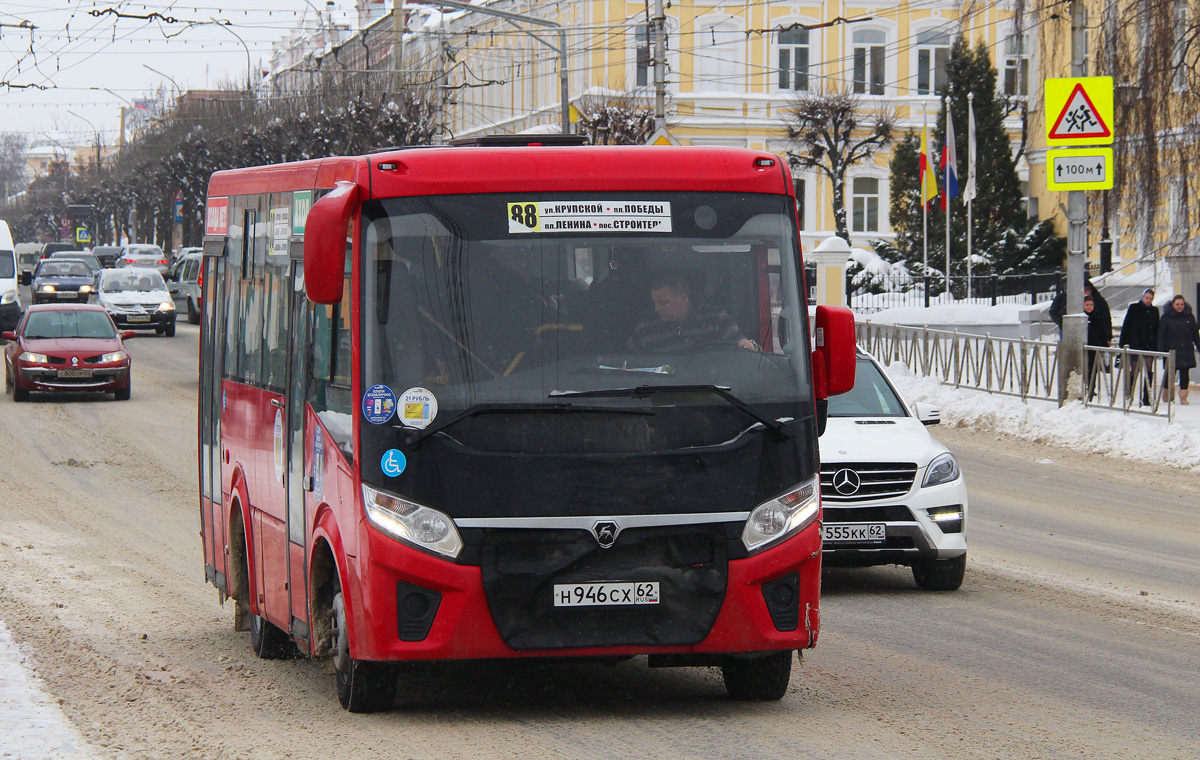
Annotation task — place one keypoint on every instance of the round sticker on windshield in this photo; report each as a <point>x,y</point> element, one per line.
<point>379,402</point>
<point>393,462</point>
<point>417,408</point>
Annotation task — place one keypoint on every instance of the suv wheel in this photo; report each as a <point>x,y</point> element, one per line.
<point>940,574</point>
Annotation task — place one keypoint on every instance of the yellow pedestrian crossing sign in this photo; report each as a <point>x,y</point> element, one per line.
<point>1079,111</point>
<point>82,235</point>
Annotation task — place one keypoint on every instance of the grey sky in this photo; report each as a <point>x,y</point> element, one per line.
<point>92,60</point>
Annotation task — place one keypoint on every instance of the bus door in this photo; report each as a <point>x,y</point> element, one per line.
<point>296,453</point>
<point>212,330</point>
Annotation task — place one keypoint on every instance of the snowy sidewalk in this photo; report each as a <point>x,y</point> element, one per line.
<point>1075,426</point>
<point>32,725</point>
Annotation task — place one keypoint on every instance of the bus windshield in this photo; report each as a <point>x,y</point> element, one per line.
<point>552,299</point>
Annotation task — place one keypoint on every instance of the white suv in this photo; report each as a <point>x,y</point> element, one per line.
<point>891,493</point>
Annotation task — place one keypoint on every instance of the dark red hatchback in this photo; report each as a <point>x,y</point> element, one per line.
<point>66,347</point>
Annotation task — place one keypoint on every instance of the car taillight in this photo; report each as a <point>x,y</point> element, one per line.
<point>129,261</point>
<point>161,261</point>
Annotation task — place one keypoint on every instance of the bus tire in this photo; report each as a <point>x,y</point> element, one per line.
<point>940,574</point>
<point>362,687</point>
<point>268,641</point>
<point>762,678</point>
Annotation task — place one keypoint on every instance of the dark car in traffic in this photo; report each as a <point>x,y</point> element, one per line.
<point>66,347</point>
<point>60,281</point>
<point>93,263</point>
<point>108,255</point>
<point>51,248</point>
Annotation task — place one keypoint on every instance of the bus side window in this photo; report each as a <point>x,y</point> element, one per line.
<point>329,378</point>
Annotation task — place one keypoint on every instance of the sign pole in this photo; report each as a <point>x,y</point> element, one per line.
<point>946,191</point>
<point>1071,365</point>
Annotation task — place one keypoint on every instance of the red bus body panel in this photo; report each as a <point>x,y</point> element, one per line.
<point>370,563</point>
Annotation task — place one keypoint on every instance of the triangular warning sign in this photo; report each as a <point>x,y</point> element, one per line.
<point>1079,118</point>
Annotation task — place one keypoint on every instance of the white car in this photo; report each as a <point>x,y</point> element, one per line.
<point>136,299</point>
<point>891,494</point>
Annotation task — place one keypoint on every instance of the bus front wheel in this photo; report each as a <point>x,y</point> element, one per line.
<point>362,686</point>
<point>758,678</point>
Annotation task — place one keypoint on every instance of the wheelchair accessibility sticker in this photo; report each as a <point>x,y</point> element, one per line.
<point>393,462</point>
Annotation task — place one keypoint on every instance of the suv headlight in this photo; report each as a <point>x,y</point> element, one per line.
<point>413,524</point>
<point>166,306</point>
<point>10,297</point>
<point>775,520</point>
<point>943,469</point>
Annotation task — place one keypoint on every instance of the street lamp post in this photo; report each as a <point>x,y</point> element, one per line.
<point>226,26</point>
<point>97,133</point>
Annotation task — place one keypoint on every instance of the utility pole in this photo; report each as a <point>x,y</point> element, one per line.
<point>398,29</point>
<point>1071,364</point>
<point>660,67</point>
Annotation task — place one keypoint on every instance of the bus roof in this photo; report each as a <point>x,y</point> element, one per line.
<point>468,169</point>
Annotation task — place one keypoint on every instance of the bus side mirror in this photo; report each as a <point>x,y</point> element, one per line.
<point>325,243</point>
<point>26,278</point>
<point>834,354</point>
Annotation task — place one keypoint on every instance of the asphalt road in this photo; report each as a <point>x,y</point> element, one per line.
<point>1050,649</point>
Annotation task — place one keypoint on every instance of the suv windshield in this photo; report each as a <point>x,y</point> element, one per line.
<point>871,396</point>
<point>117,281</point>
<point>8,265</point>
<point>69,324</point>
<point>522,299</point>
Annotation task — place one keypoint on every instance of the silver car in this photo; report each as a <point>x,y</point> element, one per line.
<point>143,255</point>
<point>184,284</point>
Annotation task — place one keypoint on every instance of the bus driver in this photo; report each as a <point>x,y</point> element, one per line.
<point>682,323</point>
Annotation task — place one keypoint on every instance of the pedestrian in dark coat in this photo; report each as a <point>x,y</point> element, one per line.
<point>1058,306</point>
<point>1139,332</point>
<point>1177,333</point>
<point>1099,335</point>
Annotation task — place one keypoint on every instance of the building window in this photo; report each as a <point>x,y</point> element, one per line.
<point>933,49</point>
<point>866,205</point>
<point>719,58</point>
<point>641,34</point>
<point>869,61</point>
<point>793,59</point>
<point>1016,66</point>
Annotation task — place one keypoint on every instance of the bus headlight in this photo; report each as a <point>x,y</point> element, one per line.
<point>413,524</point>
<point>10,297</point>
<point>943,469</point>
<point>775,520</point>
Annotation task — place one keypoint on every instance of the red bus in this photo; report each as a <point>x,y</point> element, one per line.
<point>502,400</point>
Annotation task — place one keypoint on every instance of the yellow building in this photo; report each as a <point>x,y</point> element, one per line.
<point>732,70</point>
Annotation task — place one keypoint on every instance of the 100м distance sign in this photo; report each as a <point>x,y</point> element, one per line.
<point>1079,169</point>
<point>589,216</point>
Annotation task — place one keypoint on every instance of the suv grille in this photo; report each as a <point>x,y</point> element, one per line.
<point>875,480</point>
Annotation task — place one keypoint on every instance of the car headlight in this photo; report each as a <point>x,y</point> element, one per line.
<point>10,297</point>
<point>47,288</point>
<point>943,469</point>
<point>26,356</point>
<point>166,306</point>
<point>115,356</point>
<point>413,524</point>
<point>85,288</point>
<point>775,520</point>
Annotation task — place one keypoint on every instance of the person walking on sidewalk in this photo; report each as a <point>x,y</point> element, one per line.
<point>1139,332</point>
<point>1099,335</point>
<point>1177,332</point>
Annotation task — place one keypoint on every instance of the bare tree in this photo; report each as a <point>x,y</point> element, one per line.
<point>12,163</point>
<point>622,119</point>
<point>831,132</point>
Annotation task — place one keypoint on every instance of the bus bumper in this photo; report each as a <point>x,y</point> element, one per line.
<point>463,627</point>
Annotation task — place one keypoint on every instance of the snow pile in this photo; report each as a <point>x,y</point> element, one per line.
<point>958,313</point>
<point>32,725</point>
<point>1074,426</point>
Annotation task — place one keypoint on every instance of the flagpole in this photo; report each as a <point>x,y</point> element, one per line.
<point>970,194</point>
<point>924,203</point>
<point>946,136</point>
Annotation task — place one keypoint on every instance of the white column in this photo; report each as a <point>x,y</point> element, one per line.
<point>831,257</point>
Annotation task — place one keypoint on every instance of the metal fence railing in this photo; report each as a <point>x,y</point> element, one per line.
<point>1116,378</point>
<point>868,292</point>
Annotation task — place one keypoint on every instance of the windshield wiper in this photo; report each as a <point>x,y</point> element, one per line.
<point>415,436</point>
<point>649,390</point>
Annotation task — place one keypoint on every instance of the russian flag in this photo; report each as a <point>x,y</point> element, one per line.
<point>949,163</point>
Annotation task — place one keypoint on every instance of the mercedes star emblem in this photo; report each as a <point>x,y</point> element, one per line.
<point>846,482</point>
<point>606,533</point>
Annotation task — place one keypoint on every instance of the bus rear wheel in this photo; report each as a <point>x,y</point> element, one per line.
<point>268,641</point>
<point>362,687</point>
<point>762,678</point>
